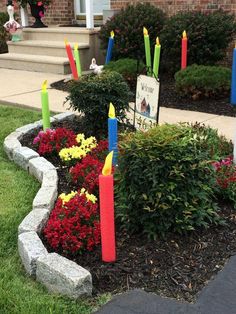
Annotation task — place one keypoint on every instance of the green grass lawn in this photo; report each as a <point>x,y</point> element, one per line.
<point>18,292</point>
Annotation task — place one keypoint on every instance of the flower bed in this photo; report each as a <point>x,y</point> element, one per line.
<point>177,267</point>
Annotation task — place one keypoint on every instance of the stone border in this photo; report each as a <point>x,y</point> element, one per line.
<point>57,273</point>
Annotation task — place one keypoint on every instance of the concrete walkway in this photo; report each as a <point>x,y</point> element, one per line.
<point>22,88</point>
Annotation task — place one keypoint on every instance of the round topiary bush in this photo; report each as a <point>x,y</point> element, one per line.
<point>209,35</point>
<point>198,81</point>
<point>4,36</point>
<point>165,181</point>
<point>128,28</point>
<point>92,94</point>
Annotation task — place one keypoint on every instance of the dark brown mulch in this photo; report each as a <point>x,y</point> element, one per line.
<point>177,267</point>
<point>170,99</point>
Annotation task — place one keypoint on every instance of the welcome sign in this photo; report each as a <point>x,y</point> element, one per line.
<point>147,99</point>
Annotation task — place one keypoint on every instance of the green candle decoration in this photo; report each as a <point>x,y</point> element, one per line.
<point>156,61</point>
<point>45,107</point>
<point>147,51</point>
<point>77,59</point>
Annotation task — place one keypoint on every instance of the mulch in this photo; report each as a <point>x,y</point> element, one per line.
<point>177,266</point>
<point>170,99</point>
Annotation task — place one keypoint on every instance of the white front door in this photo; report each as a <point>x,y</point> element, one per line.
<point>98,6</point>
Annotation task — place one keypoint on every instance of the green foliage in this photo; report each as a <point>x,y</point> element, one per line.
<point>165,181</point>
<point>208,37</point>
<point>128,68</point>
<point>92,94</point>
<point>128,28</point>
<point>199,81</point>
<point>3,33</point>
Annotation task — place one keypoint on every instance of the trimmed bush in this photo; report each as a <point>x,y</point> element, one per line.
<point>165,181</point>
<point>128,28</point>
<point>128,68</point>
<point>4,36</point>
<point>209,35</point>
<point>92,94</point>
<point>199,81</point>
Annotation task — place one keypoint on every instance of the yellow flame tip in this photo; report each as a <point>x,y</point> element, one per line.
<point>44,86</point>
<point>76,46</point>
<point>111,113</point>
<point>184,34</point>
<point>112,34</point>
<point>157,41</point>
<point>145,31</point>
<point>106,171</point>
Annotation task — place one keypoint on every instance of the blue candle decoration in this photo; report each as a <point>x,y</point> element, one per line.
<point>112,133</point>
<point>233,81</point>
<point>109,48</point>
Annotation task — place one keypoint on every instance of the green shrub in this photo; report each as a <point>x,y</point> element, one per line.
<point>208,37</point>
<point>92,94</point>
<point>199,81</point>
<point>165,181</point>
<point>128,68</point>
<point>4,36</point>
<point>128,28</point>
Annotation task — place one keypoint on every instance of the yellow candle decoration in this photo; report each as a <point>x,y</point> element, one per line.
<point>45,106</point>
<point>156,62</point>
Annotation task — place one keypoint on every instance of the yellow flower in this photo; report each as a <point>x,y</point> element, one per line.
<point>67,197</point>
<point>90,197</point>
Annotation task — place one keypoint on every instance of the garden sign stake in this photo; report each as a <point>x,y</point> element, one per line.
<point>147,51</point>
<point>45,107</point>
<point>233,81</point>
<point>112,133</point>
<point>77,59</point>
<point>106,199</point>
<point>71,60</point>
<point>110,48</point>
<point>184,51</point>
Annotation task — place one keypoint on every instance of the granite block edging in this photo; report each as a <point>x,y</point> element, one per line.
<point>66,277</point>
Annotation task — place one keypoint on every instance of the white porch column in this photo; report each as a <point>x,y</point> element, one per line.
<point>89,14</point>
<point>24,17</point>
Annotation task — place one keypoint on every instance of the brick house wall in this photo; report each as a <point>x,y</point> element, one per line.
<point>59,11</point>
<point>173,6</point>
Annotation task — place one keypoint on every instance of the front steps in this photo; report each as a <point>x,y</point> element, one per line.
<point>43,49</point>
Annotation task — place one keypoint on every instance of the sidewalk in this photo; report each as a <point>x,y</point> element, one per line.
<point>22,88</point>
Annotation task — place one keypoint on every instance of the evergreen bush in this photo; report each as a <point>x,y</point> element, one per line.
<point>165,181</point>
<point>92,94</point>
<point>209,35</point>
<point>128,68</point>
<point>199,81</point>
<point>128,28</point>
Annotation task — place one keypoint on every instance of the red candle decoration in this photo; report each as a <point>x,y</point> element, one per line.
<point>106,198</point>
<point>71,60</point>
<point>184,51</point>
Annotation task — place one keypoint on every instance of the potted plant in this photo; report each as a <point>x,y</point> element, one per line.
<point>37,10</point>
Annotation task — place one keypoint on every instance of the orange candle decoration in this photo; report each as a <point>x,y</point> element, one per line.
<point>71,60</point>
<point>106,199</point>
<point>184,51</point>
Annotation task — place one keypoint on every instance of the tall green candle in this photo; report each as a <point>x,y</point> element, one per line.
<point>147,51</point>
<point>45,107</point>
<point>77,59</point>
<point>156,62</point>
